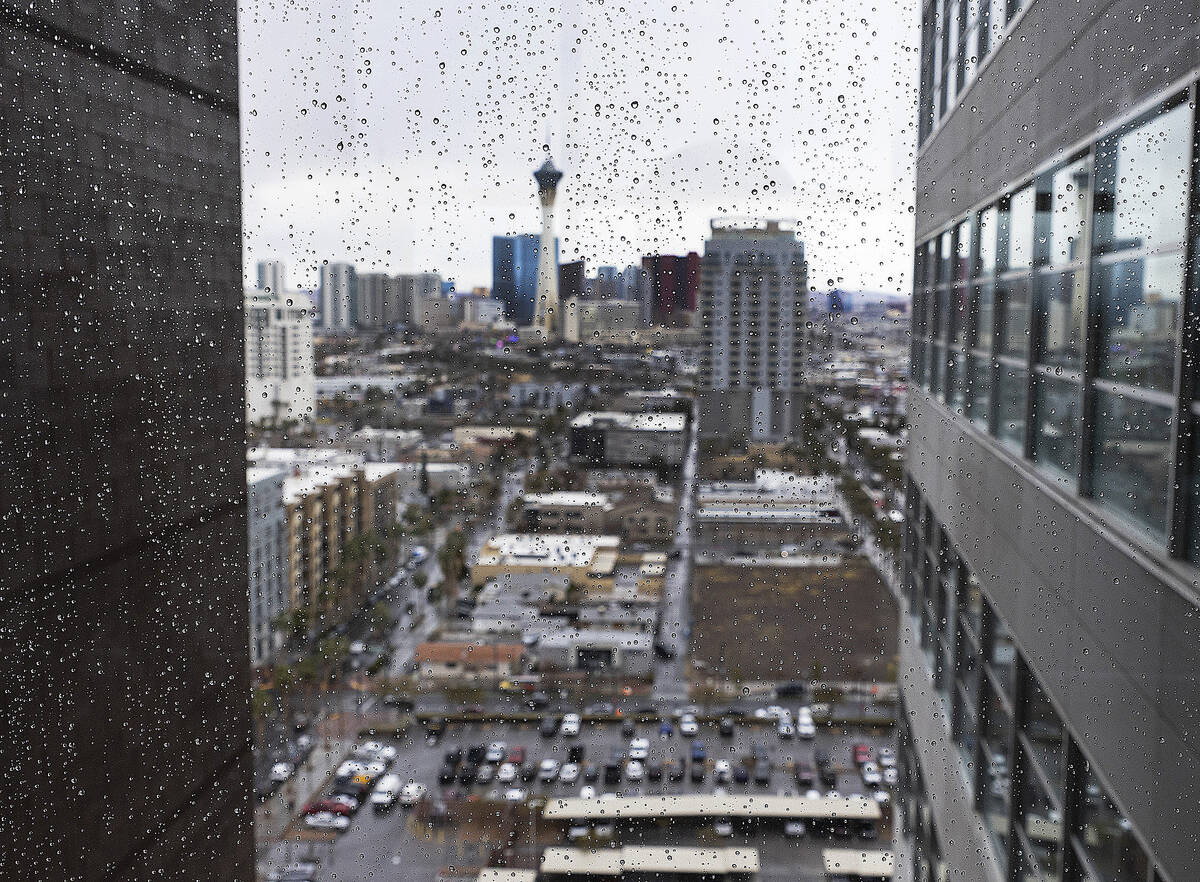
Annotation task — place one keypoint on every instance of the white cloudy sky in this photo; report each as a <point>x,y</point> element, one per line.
<point>401,135</point>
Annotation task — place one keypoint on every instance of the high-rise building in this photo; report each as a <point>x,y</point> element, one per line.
<point>270,592</point>
<point>514,275</point>
<point>339,296</point>
<point>607,284</point>
<point>415,290</point>
<point>381,302</point>
<point>753,283</point>
<point>272,275</point>
<point>279,358</point>
<point>672,286</point>
<point>546,317</point>
<point>1048,648</point>
<point>125,674</point>
<point>571,283</point>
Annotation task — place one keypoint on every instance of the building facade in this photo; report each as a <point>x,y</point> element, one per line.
<point>650,440</point>
<point>1049,652</point>
<point>514,275</point>
<point>126,667</point>
<point>415,289</point>
<point>279,359</point>
<point>672,287</point>
<point>271,275</point>
<point>753,288</point>
<point>381,305</point>
<point>339,296</point>
<point>270,593</point>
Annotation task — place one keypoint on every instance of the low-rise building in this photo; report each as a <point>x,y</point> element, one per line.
<point>653,440</point>
<point>638,514</point>
<point>589,561</point>
<point>774,509</point>
<point>472,660</point>
<point>596,650</point>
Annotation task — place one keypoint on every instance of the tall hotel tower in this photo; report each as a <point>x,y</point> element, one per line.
<point>547,319</point>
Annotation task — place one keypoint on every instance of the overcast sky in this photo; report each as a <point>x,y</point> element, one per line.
<point>402,135</point>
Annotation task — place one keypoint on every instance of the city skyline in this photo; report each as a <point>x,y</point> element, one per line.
<point>430,191</point>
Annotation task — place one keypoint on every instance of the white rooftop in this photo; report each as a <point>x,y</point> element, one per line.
<point>649,859</point>
<point>549,550</point>
<point>568,498</point>
<point>634,422</point>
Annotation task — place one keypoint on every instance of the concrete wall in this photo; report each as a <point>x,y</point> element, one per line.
<point>124,494</point>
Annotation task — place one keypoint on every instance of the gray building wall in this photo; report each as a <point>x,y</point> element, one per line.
<point>126,675</point>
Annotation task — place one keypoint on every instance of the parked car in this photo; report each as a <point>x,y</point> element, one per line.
<point>496,752</point>
<point>377,750</point>
<point>890,776</point>
<point>412,793</point>
<point>794,689</point>
<point>549,727</point>
<point>860,753</point>
<point>528,772</point>
<point>725,726</point>
<point>741,774</point>
<point>675,770</point>
<point>688,727</point>
<point>486,774</point>
<point>794,829</point>
<point>327,821</point>
<point>786,730</point>
<point>591,772</point>
<point>476,753</point>
<point>665,729</point>
<point>569,773</point>
<point>723,827</point>
<point>587,792</point>
<point>516,754</point>
<point>806,729</point>
<point>548,770</point>
<point>453,756</point>
<point>467,773</point>
<point>654,771</point>
<point>870,775</point>
<point>887,757</point>
<point>538,701</point>
<point>698,772</point>
<point>628,728</point>
<point>514,794</point>
<point>806,775</point>
<point>762,773</point>
<point>386,792</point>
<point>447,773</point>
<point>280,772</point>
<point>507,773</point>
<point>639,748</point>
<point>635,771</point>
<point>344,806</point>
<point>575,753</point>
<point>570,725</point>
<point>699,753</point>
<point>722,770</point>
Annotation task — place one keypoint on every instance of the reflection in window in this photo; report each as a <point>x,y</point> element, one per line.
<point>1062,301</point>
<point>1106,836</point>
<point>1068,213</point>
<point>1130,459</point>
<point>979,389</point>
<point>1000,652</point>
<point>982,307</point>
<point>1012,316</point>
<point>1141,183</point>
<point>1138,302</point>
<point>995,770</point>
<point>1010,405</point>
<point>1041,825</point>
<point>989,225</point>
<point>1056,433</point>
<point>1020,229</point>
<point>1044,730</point>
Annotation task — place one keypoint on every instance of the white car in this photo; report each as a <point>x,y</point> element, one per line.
<point>870,775</point>
<point>786,729</point>
<point>587,792</point>
<point>496,752</point>
<point>507,773</point>
<point>639,748</point>
<point>375,768</point>
<point>350,768</point>
<point>548,770</point>
<point>806,730</point>
<point>384,753</point>
<point>887,757</point>
<point>569,773</point>
<point>514,794</point>
<point>890,776</point>
<point>412,793</point>
<point>721,771</point>
<point>570,725</point>
<point>280,772</point>
<point>688,726</point>
<point>386,792</point>
<point>794,829</point>
<point>776,712</point>
<point>327,821</point>
<point>804,712</point>
<point>635,771</point>
<point>723,827</point>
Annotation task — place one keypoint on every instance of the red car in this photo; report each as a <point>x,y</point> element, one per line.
<point>516,754</point>
<point>328,804</point>
<point>862,754</point>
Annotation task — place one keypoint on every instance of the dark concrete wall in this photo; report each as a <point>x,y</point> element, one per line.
<point>125,669</point>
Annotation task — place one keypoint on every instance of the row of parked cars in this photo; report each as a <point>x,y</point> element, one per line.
<point>363,777</point>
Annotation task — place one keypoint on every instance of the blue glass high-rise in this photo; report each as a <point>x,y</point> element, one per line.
<point>514,275</point>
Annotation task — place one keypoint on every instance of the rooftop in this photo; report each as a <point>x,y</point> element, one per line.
<point>648,859</point>
<point>634,422</point>
<point>569,499</point>
<point>706,806</point>
<point>546,550</point>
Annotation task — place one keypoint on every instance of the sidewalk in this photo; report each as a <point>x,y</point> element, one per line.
<point>272,817</point>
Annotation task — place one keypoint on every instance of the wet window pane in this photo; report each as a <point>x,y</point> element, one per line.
<point>995,782</point>
<point>1130,462</point>
<point>1062,299</point>
<point>1044,730</point>
<point>988,229</point>
<point>1141,183</point>
<point>983,311</point>
<point>1139,301</point>
<point>1012,316</point>
<point>1011,394</point>
<point>1020,230</point>
<point>1068,213</point>
<point>1000,653</point>
<point>1056,438</point>
<point>1041,823</point>
<point>1105,836</point>
<point>979,389</point>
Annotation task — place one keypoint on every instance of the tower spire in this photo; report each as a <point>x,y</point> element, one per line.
<point>546,316</point>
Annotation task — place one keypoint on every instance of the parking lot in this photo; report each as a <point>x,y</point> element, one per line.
<point>416,844</point>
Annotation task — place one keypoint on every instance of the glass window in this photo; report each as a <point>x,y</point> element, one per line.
<point>971,605</point>
<point>956,378</point>
<point>983,310</point>
<point>1012,316</point>
<point>1106,837</point>
<point>945,256</point>
<point>995,770</point>
<point>1056,432</point>
<point>979,389</point>
<point>997,21</point>
<point>1139,302</point>
<point>1020,229</point>
<point>1000,652</point>
<point>1041,823</point>
<point>1130,462</point>
<point>1067,224</point>
<point>1141,183</point>
<point>1044,730</point>
<point>1062,301</point>
<point>1011,395</point>
<point>960,313</point>
<point>962,253</point>
<point>989,225</point>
